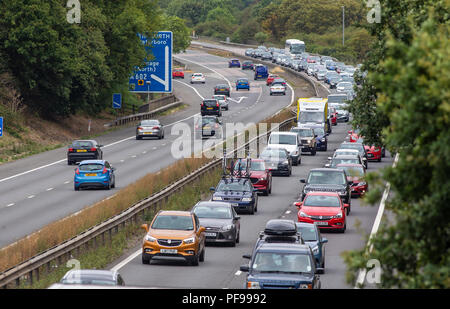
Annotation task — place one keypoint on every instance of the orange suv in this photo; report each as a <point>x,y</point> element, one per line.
<point>176,234</point>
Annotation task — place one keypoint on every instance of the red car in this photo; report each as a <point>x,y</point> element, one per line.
<point>260,177</point>
<point>354,136</point>
<point>178,73</point>
<point>374,153</point>
<point>333,114</point>
<point>355,173</point>
<point>325,209</point>
<point>270,79</point>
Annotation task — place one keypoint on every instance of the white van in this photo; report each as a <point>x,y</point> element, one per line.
<point>289,141</point>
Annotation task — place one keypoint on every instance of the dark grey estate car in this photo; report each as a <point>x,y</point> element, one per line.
<point>149,128</point>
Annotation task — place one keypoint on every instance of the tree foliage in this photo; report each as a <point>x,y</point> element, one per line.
<point>61,68</point>
<point>406,98</point>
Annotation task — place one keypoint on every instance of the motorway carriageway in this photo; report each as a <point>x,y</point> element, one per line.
<point>38,190</point>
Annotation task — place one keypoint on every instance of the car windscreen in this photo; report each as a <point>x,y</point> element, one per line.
<point>319,131</point>
<point>303,132</point>
<point>82,144</point>
<point>207,120</point>
<point>336,161</point>
<point>281,262</point>
<point>352,171</point>
<point>308,233</point>
<point>215,212</point>
<point>327,177</point>
<point>283,139</point>
<point>234,186</point>
<point>90,167</point>
<point>311,116</point>
<point>274,154</point>
<point>167,222</point>
<point>256,166</point>
<point>321,201</point>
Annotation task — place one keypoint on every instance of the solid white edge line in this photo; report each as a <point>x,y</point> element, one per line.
<point>362,272</point>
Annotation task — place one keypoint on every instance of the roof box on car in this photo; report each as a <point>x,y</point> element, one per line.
<point>280,227</point>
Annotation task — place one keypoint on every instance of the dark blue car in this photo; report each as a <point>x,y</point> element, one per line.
<point>311,236</point>
<point>282,266</point>
<point>237,191</point>
<point>261,72</point>
<point>234,63</point>
<point>242,83</point>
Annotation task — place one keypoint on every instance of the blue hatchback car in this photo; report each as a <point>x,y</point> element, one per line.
<point>234,63</point>
<point>242,83</point>
<point>237,191</point>
<point>94,174</point>
<point>311,236</point>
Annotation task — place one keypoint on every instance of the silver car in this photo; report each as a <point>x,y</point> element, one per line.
<point>223,101</point>
<point>149,128</point>
<point>220,220</point>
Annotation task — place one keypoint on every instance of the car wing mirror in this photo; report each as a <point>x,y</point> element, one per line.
<point>145,227</point>
<point>303,180</point>
<point>212,189</point>
<point>244,268</point>
<point>247,256</point>
<point>324,240</point>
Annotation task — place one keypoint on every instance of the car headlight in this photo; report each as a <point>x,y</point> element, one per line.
<point>305,286</point>
<point>322,139</point>
<point>262,178</point>
<point>339,215</point>
<point>189,241</point>
<point>217,198</point>
<point>253,285</point>
<point>227,227</point>
<point>247,199</point>
<point>302,214</point>
<point>150,238</point>
<point>343,193</point>
<point>294,153</point>
<point>286,162</point>
<point>315,250</point>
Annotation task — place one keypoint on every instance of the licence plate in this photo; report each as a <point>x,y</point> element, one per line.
<point>222,90</point>
<point>209,108</point>
<point>81,150</point>
<point>169,251</point>
<point>91,175</point>
<point>148,132</point>
<point>321,223</point>
<point>210,234</point>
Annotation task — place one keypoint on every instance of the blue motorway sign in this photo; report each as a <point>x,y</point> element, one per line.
<point>117,100</point>
<point>156,76</point>
<point>1,126</point>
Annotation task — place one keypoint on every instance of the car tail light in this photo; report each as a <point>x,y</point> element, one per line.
<point>93,149</point>
<point>104,170</point>
<point>77,171</point>
<point>70,149</point>
<point>155,128</point>
<point>139,128</point>
<point>217,104</point>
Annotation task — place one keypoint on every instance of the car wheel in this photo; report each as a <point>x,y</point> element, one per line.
<point>270,188</point>
<point>114,183</point>
<point>138,137</point>
<point>271,93</point>
<point>194,261</point>
<point>266,192</point>
<point>313,152</point>
<point>108,187</point>
<point>238,236</point>
<point>76,188</point>
<point>69,162</point>
<point>145,260</point>
<point>202,255</point>
<point>379,160</point>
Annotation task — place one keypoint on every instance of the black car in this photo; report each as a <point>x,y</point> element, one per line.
<point>328,180</point>
<point>210,107</point>
<point>277,160</point>
<point>222,89</point>
<point>208,126</point>
<point>222,223</point>
<point>81,150</point>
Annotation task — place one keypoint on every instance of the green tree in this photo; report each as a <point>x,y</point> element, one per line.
<point>411,86</point>
<point>261,37</point>
<point>181,33</point>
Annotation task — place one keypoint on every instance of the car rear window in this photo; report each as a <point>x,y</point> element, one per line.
<point>213,211</point>
<point>210,103</point>
<point>149,123</point>
<point>82,144</point>
<point>90,167</point>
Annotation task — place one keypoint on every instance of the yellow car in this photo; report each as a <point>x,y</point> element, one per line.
<point>174,234</point>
